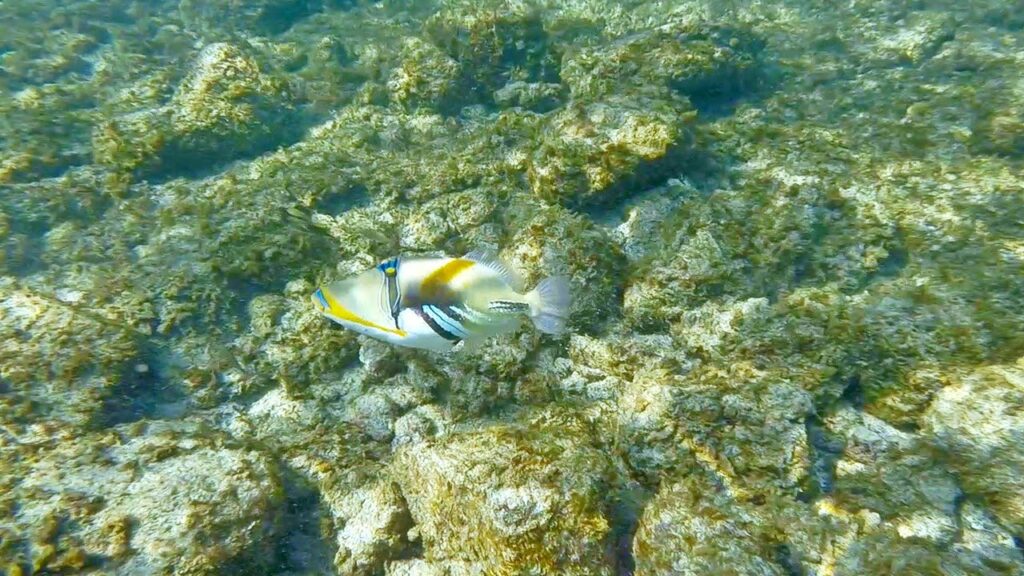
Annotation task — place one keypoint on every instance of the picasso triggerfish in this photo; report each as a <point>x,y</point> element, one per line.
<point>439,303</point>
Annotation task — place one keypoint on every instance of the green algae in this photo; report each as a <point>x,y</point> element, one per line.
<point>792,232</point>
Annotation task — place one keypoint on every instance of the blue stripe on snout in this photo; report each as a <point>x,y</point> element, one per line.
<point>320,297</point>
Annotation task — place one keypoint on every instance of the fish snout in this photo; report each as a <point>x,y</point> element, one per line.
<point>319,300</point>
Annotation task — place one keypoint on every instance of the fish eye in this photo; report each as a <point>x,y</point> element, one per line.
<point>390,271</point>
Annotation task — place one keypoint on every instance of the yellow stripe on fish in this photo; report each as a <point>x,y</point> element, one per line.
<point>437,286</point>
<point>333,308</point>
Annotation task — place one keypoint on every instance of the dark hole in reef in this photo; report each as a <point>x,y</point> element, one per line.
<point>705,171</point>
<point>908,427</point>
<point>24,247</point>
<point>893,263</point>
<point>853,392</point>
<point>243,290</point>
<point>144,391</point>
<point>719,95</point>
<point>891,266</point>
<point>279,16</point>
<point>624,515</point>
<point>302,547</point>
<point>1019,543</point>
<point>202,159</point>
<point>825,451</point>
<point>5,387</point>
<point>340,201</point>
<point>785,558</point>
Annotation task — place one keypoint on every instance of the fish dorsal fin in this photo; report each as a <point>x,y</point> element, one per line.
<point>489,259</point>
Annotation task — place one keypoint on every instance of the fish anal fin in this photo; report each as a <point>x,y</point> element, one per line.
<point>469,346</point>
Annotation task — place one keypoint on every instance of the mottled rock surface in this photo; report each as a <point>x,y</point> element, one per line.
<point>979,423</point>
<point>792,232</point>
<point>146,498</point>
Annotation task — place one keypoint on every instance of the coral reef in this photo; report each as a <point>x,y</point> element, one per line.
<point>146,498</point>
<point>510,498</point>
<point>224,108</point>
<point>977,421</point>
<point>793,235</point>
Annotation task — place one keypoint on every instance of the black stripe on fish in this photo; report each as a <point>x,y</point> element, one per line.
<point>436,326</point>
<point>446,317</point>
<point>508,306</point>
<point>391,291</point>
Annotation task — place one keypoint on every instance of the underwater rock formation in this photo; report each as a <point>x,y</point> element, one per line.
<point>146,498</point>
<point>979,422</point>
<point>508,498</point>
<point>226,107</point>
<point>793,236</point>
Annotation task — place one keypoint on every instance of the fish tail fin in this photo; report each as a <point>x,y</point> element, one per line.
<point>549,304</point>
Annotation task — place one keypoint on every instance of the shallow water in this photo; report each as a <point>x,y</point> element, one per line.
<point>793,234</point>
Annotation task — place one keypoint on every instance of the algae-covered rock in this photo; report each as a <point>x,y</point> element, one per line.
<point>694,58</point>
<point>495,41</point>
<point>536,96</point>
<point>221,20</point>
<point>599,152</point>
<point>557,242</point>
<point>979,422</point>
<point>374,525</point>
<point>228,100</point>
<point>693,526</point>
<point>884,552</point>
<point>426,76</point>
<point>510,498</point>
<point>60,363</point>
<point>894,474</point>
<point>149,498</point>
<point>987,542</point>
<point>202,511</point>
<point>227,106</point>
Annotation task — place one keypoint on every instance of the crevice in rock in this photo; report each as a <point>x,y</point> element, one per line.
<point>824,453</point>
<point>303,548</point>
<point>624,511</point>
<point>1019,543</point>
<point>278,17</point>
<point>144,391</point>
<point>784,557</point>
<point>714,100</point>
<point>958,507</point>
<point>853,392</point>
<point>705,171</point>
<point>22,251</point>
<point>340,201</point>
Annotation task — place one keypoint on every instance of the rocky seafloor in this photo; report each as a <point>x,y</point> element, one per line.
<point>795,235</point>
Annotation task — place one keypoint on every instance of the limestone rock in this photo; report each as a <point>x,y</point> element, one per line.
<point>979,422</point>
<point>226,107</point>
<point>687,531</point>
<point>510,497</point>
<point>153,498</point>
<point>372,525</point>
<point>894,474</point>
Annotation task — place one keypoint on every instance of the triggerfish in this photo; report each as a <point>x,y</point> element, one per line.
<point>440,303</point>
